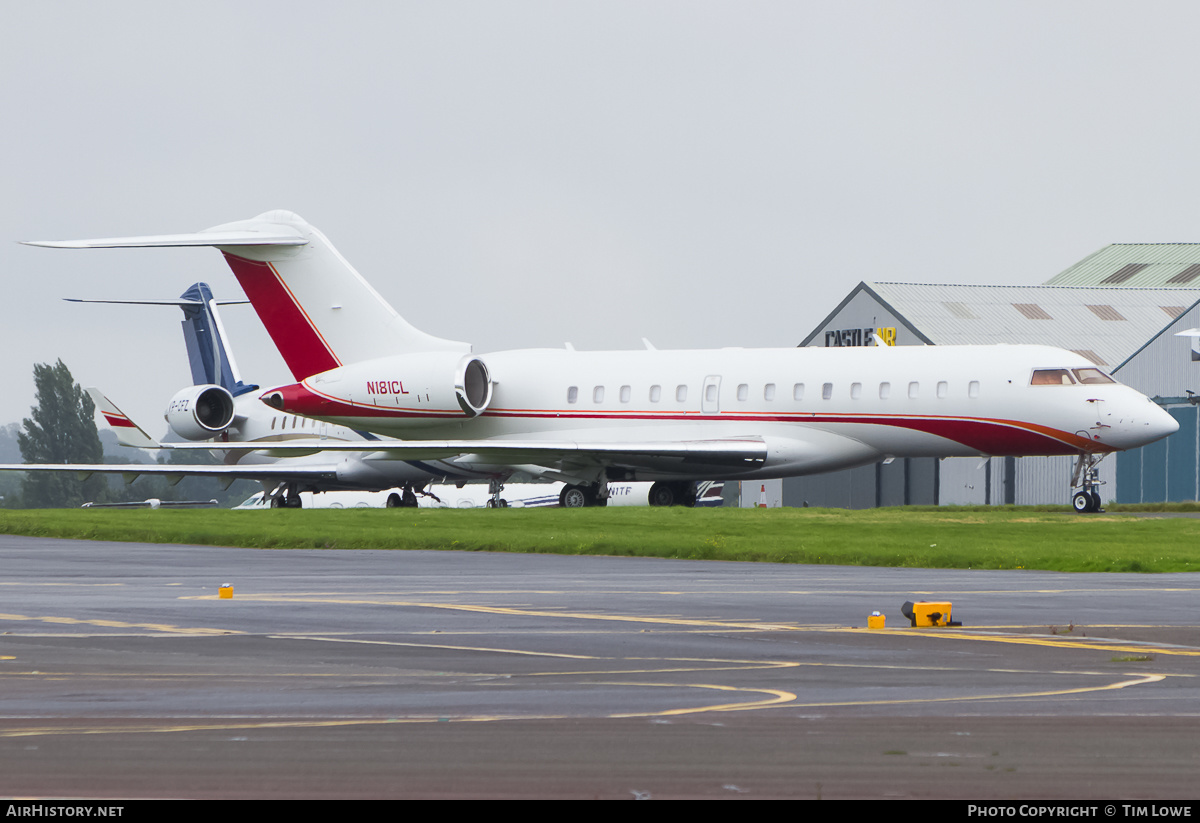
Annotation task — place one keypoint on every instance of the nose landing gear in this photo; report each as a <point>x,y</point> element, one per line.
<point>1086,479</point>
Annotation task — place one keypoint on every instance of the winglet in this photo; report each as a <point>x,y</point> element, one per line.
<point>128,433</point>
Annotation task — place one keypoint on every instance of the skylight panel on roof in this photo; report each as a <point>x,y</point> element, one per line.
<point>1173,311</point>
<point>1106,313</point>
<point>959,310</point>
<point>1032,310</point>
<point>1122,274</point>
<point>1187,275</point>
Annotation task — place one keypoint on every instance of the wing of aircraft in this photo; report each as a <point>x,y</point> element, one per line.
<point>176,472</point>
<point>132,435</point>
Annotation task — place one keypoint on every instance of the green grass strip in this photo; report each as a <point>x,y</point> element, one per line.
<point>945,537</point>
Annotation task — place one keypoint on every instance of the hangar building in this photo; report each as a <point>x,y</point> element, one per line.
<point>1120,308</point>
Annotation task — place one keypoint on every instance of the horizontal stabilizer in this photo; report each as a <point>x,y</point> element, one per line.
<point>176,302</point>
<point>202,238</point>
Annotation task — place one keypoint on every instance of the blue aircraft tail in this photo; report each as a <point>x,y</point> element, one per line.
<point>209,357</point>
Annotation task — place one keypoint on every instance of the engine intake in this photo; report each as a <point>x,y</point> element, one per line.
<point>472,386</point>
<point>200,412</point>
<point>410,390</point>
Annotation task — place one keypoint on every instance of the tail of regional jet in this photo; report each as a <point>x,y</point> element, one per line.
<point>319,311</point>
<point>209,356</point>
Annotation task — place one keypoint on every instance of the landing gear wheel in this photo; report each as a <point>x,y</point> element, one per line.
<point>277,502</point>
<point>1086,478</point>
<point>573,497</point>
<point>663,494</point>
<point>673,494</point>
<point>394,501</point>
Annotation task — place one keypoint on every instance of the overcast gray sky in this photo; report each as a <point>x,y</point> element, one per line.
<point>520,174</point>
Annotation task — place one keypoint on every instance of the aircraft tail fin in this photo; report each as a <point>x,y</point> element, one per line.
<point>209,356</point>
<point>319,311</point>
<point>128,433</point>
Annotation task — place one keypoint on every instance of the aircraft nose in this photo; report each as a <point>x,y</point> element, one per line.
<point>1149,423</point>
<point>1161,424</point>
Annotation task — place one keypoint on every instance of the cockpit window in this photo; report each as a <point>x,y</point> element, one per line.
<point>1051,377</point>
<point>1088,376</point>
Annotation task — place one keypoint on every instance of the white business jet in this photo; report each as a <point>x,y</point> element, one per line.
<point>673,417</point>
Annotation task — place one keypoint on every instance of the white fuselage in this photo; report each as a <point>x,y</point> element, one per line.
<point>817,409</point>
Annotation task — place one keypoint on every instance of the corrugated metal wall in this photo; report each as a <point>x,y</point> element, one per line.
<point>1166,470</point>
<point>903,482</point>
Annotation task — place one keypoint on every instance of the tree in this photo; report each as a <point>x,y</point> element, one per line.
<point>62,429</point>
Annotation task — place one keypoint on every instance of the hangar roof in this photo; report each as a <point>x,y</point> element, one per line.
<point>1106,325</point>
<point>1136,265</point>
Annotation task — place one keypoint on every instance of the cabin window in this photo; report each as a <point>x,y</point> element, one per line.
<point>769,391</point>
<point>293,422</point>
<point>914,389</point>
<point>655,394</point>
<point>710,393</point>
<point>827,391</point>
<point>942,389</point>
<point>1051,377</point>
<point>681,393</point>
<point>573,394</point>
<point>973,388</point>
<point>598,394</point>
<point>885,391</point>
<point>626,393</point>
<point>743,392</point>
<point>798,391</point>
<point>855,391</point>
<point>272,424</point>
<point>1090,376</point>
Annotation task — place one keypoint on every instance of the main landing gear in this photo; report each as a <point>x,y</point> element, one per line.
<point>405,499</point>
<point>673,494</point>
<point>579,496</point>
<point>1086,479</point>
<point>496,501</point>
<point>286,496</point>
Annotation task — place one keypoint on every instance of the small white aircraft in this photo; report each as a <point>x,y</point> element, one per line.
<point>673,417</point>
<point>453,496</point>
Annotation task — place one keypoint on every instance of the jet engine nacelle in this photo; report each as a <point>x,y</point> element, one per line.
<point>420,389</point>
<point>200,412</point>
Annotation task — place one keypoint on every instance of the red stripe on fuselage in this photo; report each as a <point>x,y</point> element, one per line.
<point>997,438</point>
<point>302,346</point>
<point>993,437</point>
